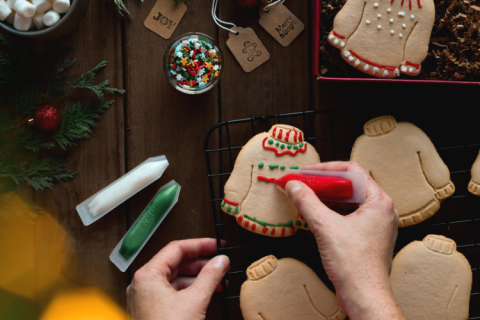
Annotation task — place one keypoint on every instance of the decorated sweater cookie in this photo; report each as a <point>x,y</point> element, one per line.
<point>404,162</point>
<point>286,289</point>
<point>474,185</point>
<point>257,203</point>
<point>384,38</point>
<point>431,280</point>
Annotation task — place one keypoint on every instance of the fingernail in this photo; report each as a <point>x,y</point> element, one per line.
<point>221,262</point>
<point>292,187</point>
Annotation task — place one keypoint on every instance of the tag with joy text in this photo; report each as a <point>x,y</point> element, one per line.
<point>281,23</point>
<point>165,17</point>
<point>247,48</point>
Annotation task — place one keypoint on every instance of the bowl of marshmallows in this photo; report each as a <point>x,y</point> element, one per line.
<point>41,18</point>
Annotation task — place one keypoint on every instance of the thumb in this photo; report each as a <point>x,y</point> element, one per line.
<point>209,279</point>
<point>308,205</point>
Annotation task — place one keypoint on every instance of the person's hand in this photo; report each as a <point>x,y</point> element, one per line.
<point>356,249</point>
<point>158,291</point>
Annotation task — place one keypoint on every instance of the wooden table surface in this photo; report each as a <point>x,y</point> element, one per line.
<point>153,118</point>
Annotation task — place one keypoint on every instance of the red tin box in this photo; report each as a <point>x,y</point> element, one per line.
<point>317,8</point>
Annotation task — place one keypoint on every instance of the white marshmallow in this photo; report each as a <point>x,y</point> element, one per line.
<point>11,3</point>
<point>11,18</point>
<point>61,6</point>
<point>21,23</point>
<point>38,20</point>
<point>24,8</point>
<point>50,18</point>
<point>5,10</point>
<point>42,5</point>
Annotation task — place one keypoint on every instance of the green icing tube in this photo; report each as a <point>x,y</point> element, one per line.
<point>149,219</point>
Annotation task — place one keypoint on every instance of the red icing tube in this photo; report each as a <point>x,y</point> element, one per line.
<point>328,188</point>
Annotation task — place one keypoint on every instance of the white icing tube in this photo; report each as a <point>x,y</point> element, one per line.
<point>38,21</point>
<point>24,8</point>
<point>126,187</point>
<point>61,6</point>
<point>42,5</point>
<point>5,10</point>
<point>51,18</point>
<point>22,23</point>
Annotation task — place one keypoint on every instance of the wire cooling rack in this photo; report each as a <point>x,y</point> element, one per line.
<point>333,132</point>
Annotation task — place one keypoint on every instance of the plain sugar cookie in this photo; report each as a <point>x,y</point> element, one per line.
<point>474,184</point>
<point>286,289</point>
<point>384,38</point>
<point>256,203</point>
<point>431,280</point>
<point>405,164</point>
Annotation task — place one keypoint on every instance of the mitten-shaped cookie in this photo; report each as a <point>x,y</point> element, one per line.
<point>474,185</point>
<point>249,195</point>
<point>404,162</point>
<point>431,280</point>
<point>384,38</point>
<point>286,289</point>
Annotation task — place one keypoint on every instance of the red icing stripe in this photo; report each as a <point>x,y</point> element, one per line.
<point>273,232</point>
<point>372,63</point>
<point>274,130</point>
<point>293,230</point>
<point>402,3</point>
<point>262,178</point>
<point>283,232</point>
<point>295,136</point>
<point>265,230</point>
<point>300,136</point>
<point>284,152</point>
<point>301,217</point>
<point>337,35</point>
<point>230,202</point>
<point>246,223</point>
<point>419,4</point>
<point>412,64</point>
<point>410,4</point>
<point>280,134</point>
<point>254,226</point>
<point>239,220</point>
<point>287,135</point>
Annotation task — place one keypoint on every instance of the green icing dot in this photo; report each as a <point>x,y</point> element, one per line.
<point>282,167</point>
<point>301,144</point>
<point>273,166</point>
<point>261,164</point>
<point>282,146</point>
<point>223,203</point>
<point>305,225</point>
<point>277,144</point>
<point>294,167</point>
<point>270,141</point>
<point>299,223</point>
<point>229,208</point>
<point>289,146</point>
<point>236,210</point>
<point>295,147</point>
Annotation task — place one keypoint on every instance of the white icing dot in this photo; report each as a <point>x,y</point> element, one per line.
<point>392,32</point>
<point>335,42</point>
<point>410,70</point>
<point>367,22</point>
<point>385,73</point>
<point>375,70</point>
<point>357,63</point>
<point>350,58</point>
<point>400,35</point>
<point>379,15</point>
<point>342,44</point>
<point>404,69</point>
<point>346,53</point>
<point>396,73</point>
<point>401,14</point>
<point>330,37</point>
<point>366,68</point>
<point>379,27</point>
<point>389,10</point>
<point>412,16</point>
<point>404,26</point>
<point>375,5</point>
<point>391,20</point>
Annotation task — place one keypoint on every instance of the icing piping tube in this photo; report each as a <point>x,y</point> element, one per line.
<point>140,232</point>
<point>339,186</point>
<point>122,189</point>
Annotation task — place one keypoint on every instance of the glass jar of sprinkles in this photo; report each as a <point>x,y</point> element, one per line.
<point>193,63</point>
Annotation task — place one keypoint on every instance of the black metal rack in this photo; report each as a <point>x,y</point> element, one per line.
<point>332,132</point>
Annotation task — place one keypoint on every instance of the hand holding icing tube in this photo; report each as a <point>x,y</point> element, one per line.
<point>339,186</point>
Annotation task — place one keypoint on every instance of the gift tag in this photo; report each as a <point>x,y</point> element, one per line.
<point>165,17</point>
<point>247,48</point>
<point>281,23</point>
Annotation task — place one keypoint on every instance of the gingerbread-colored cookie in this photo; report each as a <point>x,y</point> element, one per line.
<point>404,162</point>
<point>431,280</point>
<point>286,289</point>
<point>257,204</point>
<point>474,185</point>
<point>384,38</point>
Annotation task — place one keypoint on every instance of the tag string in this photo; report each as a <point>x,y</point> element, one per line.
<point>272,4</point>
<point>218,21</point>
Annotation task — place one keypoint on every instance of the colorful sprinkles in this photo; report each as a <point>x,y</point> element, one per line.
<point>195,63</point>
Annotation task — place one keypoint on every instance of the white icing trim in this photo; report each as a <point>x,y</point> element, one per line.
<point>391,20</point>
<point>396,73</point>
<point>350,58</point>
<point>366,68</point>
<point>404,69</point>
<point>346,53</point>
<point>412,16</point>
<point>404,26</point>
<point>385,73</point>
<point>379,15</point>
<point>389,10</point>
<point>400,35</point>
<point>357,63</point>
<point>330,37</point>
<point>367,22</point>
<point>379,27</point>
<point>375,5</point>
<point>335,42</point>
<point>375,70</point>
<point>401,14</point>
<point>342,44</point>
<point>392,32</point>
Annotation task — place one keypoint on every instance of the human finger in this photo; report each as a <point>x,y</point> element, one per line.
<point>209,278</point>
<point>184,282</point>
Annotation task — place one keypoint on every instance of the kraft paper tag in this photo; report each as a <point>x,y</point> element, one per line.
<point>281,23</point>
<point>247,48</point>
<point>165,17</point>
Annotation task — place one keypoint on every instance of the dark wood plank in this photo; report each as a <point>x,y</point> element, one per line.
<point>79,253</point>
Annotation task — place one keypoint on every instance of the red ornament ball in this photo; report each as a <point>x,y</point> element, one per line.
<point>249,3</point>
<point>47,118</point>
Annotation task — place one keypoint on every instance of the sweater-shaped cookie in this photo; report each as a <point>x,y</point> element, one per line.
<point>249,195</point>
<point>404,162</point>
<point>474,184</point>
<point>286,289</point>
<point>384,37</point>
<point>431,280</point>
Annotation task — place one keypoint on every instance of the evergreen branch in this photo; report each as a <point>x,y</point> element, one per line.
<point>25,101</point>
<point>42,172</point>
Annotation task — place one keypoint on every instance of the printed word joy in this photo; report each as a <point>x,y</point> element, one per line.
<point>287,26</point>
<point>164,20</point>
